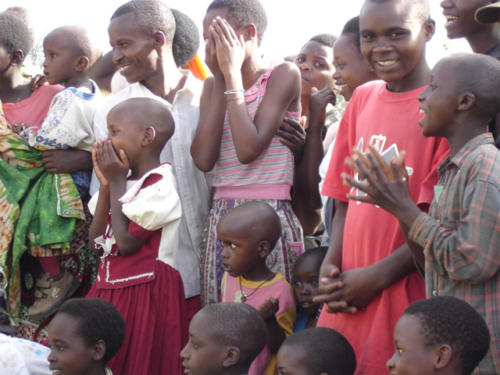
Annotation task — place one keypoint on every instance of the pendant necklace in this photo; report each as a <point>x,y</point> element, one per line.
<point>245,296</point>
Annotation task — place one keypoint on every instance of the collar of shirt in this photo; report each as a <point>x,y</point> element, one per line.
<point>457,160</point>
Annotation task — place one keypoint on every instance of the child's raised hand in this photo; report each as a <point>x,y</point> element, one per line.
<point>318,101</point>
<point>111,166</point>
<point>230,49</point>
<point>97,149</point>
<point>386,184</point>
<point>293,136</point>
<point>269,308</point>
<point>211,57</point>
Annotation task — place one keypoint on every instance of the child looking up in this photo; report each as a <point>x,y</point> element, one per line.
<point>145,211</point>
<point>351,71</point>
<point>83,336</point>
<point>69,54</point>
<point>224,339</point>
<point>368,276</point>
<point>305,287</point>
<point>441,335</point>
<point>248,234</point>
<point>241,109</point>
<point>315,61</point>
<point>460,236</point>
<point>316,351</point>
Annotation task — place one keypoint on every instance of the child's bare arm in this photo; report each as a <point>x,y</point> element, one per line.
<point>206,143</point>
<point>276,335</point>
<point>306,199</point>
<point>66,161</point>
<point>98,225</point>
<point>114,169</point>
<point>252,137</point>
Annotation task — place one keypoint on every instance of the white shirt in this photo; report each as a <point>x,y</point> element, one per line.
<point>193,186</point>
<point>22,357</point>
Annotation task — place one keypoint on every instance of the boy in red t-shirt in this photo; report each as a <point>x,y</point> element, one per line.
<point>368,276</point>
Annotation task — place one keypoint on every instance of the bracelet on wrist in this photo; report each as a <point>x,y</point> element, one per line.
<point>234,91</point>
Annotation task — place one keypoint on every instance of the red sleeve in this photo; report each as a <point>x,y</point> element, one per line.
<point>426,194</point>
<point>344,142</point>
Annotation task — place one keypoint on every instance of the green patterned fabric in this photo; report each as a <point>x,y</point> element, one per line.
<point>38,210</point>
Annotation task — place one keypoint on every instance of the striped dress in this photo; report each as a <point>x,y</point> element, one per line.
<point>268,178</point>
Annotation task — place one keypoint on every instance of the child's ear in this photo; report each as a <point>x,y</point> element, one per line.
<point>231,357</point>
<point>250,32</point>
<point>99,350</point>
<point>429,29</point>
<point>17,57</point>
<point>443,356</point>
<point>82,63</point>
<point>466,101</point>
<point>149,136</point>
<point>264,248</point>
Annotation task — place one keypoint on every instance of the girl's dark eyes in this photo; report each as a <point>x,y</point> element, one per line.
<point>299,59</point>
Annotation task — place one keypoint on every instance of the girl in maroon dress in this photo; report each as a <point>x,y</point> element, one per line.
<point>135,218</point>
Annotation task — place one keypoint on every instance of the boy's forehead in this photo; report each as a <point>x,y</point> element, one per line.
<point>390,14</point>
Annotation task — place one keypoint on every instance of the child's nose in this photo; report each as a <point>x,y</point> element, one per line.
<point>391,363</point>
<point>304,66</point>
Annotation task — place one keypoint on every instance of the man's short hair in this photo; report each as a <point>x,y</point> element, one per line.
<point>151,15</point>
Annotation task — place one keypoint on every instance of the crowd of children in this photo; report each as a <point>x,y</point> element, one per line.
<point>159,228</point>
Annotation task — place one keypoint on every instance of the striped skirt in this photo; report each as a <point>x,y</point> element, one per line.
<point>281,259</point>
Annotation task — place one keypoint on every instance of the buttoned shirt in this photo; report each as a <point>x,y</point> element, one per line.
<point>193,186</point>
<point>461,235</point>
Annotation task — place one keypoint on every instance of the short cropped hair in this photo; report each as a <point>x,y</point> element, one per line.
<point>186,38</point>
<point>422,7</point>
<point>479,74</point>
<point>243,13</point>
<point>98,320</point>
<point>319,252</point>
<point>327,40</point>
<point>151,15</point>
<point>352,27</point>
<point>239,325</point>
<point>14,34</point>
<point>449,320</point>
<point>326,351</point>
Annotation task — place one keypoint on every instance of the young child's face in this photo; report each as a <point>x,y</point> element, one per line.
<point>290,361</point>
<point>202,355</point>
<point>60,59</point>
<point>412,355</point>
<point>239,250</point>
<point>459,16</point>
<point>393,39</point>
<point>133,48</point>
<point>69,354</point>
<point>350,68</point>
<point>439,101</point>
<point>315,62</point>
<point>305,283</point>
<point>124,134</point>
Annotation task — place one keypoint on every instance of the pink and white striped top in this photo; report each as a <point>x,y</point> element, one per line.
<point>270,176</point>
